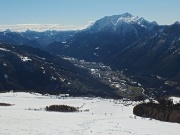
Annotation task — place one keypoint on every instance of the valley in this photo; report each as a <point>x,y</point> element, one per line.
<point>72,67</point>
<point>122,85</point>
<point>142,58</point>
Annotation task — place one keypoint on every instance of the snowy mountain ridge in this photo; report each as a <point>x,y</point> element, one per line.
<point>116,21</point>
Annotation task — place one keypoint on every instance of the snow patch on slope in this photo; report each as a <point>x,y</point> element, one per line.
<point>4,49</point>
<point>25,59</point>
<point>175,99</point>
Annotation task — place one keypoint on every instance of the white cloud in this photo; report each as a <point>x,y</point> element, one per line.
<point>40,27</point>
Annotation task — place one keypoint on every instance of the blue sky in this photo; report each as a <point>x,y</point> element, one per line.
<point>79,12</point>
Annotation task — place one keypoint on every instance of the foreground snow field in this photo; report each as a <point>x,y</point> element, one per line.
<point>104,117</point>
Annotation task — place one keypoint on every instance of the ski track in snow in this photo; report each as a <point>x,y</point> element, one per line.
<point>105,117</point>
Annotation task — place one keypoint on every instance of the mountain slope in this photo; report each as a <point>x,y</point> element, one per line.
<point>107,37</point>
<point>28,69</point>
<point>13,37</point>
<point>34,38</point>
<point>48,37</point>
<point>145,50</point>
<point>154,60</point>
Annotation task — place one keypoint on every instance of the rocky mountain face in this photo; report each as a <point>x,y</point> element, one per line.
<point>23,68</point>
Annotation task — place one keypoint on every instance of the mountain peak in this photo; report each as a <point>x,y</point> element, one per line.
<point>127,14</point>
<point>115,21</point>
<point>8,30</point>
<point>154,23</point>
<point>177,22</point>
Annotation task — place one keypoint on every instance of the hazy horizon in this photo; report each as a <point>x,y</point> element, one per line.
<point>71,15</point>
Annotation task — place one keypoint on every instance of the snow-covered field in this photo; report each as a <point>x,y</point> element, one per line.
<point>105,117</point>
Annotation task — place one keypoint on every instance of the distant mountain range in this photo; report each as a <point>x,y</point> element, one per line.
<point>143,50</point>
<point>34,38</point>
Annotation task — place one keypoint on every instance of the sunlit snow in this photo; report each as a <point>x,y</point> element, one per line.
<point>4,49</point>
<point>25,59</point>
<point>105,117</point>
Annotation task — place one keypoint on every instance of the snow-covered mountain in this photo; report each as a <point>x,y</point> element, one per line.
<point>34,38</point>
<point>109,34</point>
<point>143,49</point>
<point>125,21</point>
